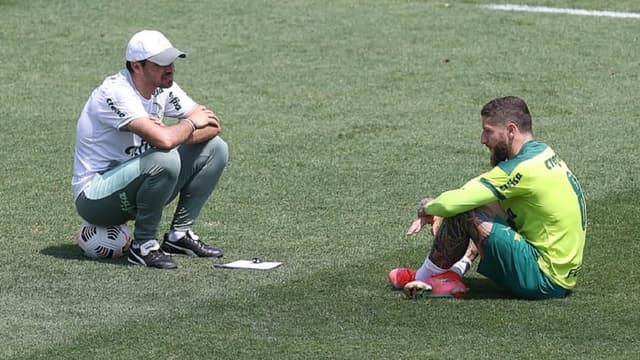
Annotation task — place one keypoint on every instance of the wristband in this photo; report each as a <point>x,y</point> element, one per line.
<point>193,125</point>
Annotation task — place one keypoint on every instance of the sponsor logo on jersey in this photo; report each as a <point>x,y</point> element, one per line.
<point>512,182</point>
<point>134,150</point>
<point>175,101</point>
<point>114,108</point>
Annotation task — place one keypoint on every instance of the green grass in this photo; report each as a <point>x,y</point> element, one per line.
<point>340,115</point>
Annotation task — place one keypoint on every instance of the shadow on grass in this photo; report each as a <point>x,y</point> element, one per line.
<point>73,252</point>
<point>482,288</point>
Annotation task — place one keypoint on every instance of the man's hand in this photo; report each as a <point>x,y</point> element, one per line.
<point>422,218</point>
<point>203,117</point>
<point>417,225</point>
<point>435,225</point>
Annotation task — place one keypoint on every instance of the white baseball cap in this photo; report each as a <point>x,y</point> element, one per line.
<point>152,45</point>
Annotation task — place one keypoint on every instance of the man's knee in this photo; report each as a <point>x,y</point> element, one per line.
<point>161,161</point>
<point>495,209</point>
<point>220,150</point>
<point>475,224</point>
<point>483,218</point>
<point>462,225</point>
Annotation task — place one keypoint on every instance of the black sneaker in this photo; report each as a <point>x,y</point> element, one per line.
<point>190,245</point>
<point>149,254</point>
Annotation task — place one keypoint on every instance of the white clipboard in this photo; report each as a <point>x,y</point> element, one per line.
<point>253,264</point>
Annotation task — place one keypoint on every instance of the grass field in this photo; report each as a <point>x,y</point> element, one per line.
<point>340,115</point>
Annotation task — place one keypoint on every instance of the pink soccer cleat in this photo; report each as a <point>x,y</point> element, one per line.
<point>399,277</point>
<point>448,284</point>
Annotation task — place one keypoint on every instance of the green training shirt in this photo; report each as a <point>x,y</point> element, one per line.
<point>544,200</point>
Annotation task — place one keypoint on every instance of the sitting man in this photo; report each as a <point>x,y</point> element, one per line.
<point>525,218</point>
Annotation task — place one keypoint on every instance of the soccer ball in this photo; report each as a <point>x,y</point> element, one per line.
<point>100,242</point>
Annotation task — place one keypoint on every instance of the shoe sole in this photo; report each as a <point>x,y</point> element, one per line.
<point>427,293</point>
<point>415,292</point>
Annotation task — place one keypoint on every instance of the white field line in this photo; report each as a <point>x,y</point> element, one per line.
<point>544,9</point>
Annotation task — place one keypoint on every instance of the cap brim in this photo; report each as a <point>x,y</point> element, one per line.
<point>167,57</point>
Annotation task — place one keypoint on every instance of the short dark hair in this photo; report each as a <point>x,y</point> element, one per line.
<point>130,68</point>
<point>508,109</point>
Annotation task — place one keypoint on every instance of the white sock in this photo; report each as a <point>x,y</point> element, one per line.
<point>175,235</point>
<point>427,270</point>
<point>462,266</point>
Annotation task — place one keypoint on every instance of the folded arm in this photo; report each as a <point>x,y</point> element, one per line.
<point>199,125</point>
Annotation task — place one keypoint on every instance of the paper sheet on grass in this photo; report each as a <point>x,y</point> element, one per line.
<point>250,264</point>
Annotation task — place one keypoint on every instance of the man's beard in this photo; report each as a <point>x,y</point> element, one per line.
<point>165,84</point>
<point>499,153</point>
<point>166,81</point>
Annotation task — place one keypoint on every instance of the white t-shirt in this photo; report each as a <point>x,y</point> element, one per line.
<point>102,139</point>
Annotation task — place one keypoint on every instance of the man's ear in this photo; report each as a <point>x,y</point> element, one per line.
<point>136,66</point>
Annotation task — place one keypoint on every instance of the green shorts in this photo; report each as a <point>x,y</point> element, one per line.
<point>512,262</point>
